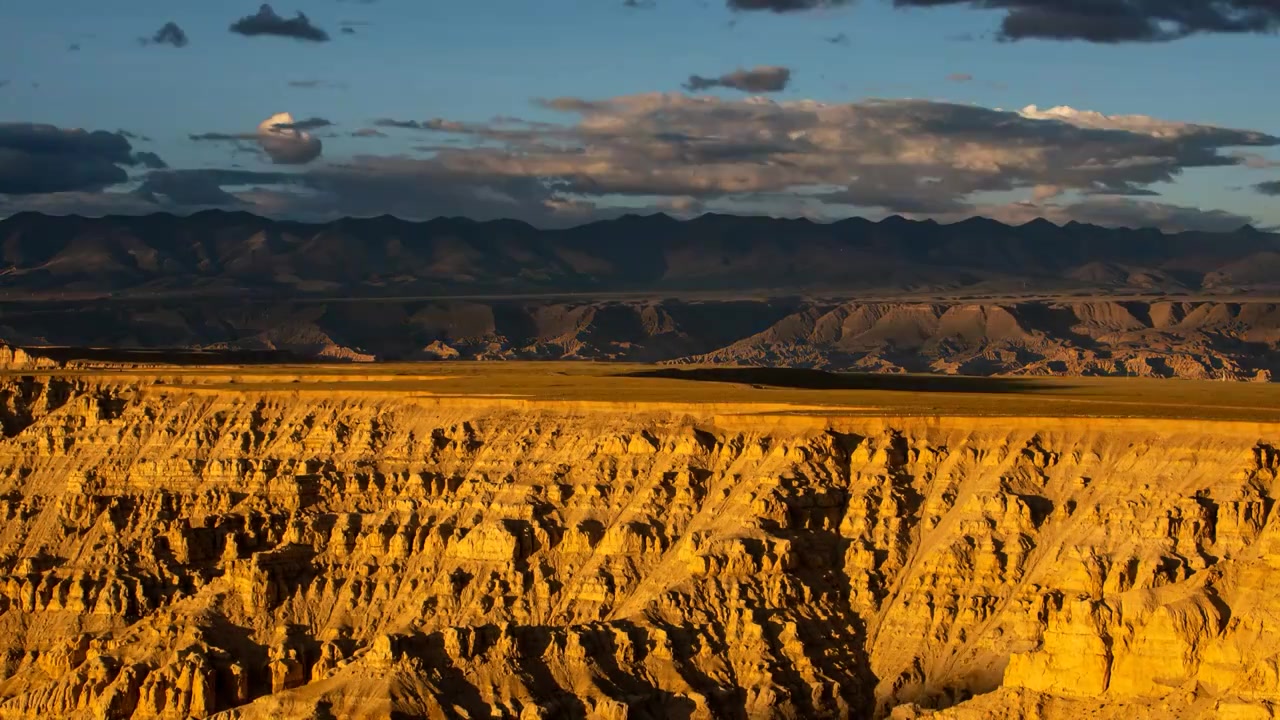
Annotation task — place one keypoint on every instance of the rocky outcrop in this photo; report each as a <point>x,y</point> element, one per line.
<point>175,552</point>
<point>13,358</point>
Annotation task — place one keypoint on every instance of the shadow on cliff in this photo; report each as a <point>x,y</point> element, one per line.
<point>805,379</point>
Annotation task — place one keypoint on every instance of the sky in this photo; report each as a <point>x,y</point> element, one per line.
<point>1117,112</point>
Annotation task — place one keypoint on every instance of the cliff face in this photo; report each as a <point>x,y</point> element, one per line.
<point>181,552</point>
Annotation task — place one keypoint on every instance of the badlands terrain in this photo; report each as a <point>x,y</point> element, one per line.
<point>584,540</point>
<point>972,298</point>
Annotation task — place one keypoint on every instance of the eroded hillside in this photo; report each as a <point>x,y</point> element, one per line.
<point>1214,339</point>
<point>183,551</point>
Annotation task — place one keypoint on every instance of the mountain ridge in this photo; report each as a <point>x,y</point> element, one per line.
<point>384,256</point>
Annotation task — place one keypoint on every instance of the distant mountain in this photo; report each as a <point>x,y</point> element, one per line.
<point>232,253</point>
<point>975,297</point>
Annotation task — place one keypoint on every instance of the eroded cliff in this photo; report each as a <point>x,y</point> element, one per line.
<point>174,552</point>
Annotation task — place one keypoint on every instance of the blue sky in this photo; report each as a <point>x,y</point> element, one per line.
<point>472,61</point>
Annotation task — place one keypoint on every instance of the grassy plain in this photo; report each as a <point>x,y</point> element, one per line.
<point>836,393</point>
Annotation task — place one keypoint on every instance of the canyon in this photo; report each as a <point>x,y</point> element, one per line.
<point>434,541</point>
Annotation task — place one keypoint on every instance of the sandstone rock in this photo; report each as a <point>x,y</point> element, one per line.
<point>197,552</point>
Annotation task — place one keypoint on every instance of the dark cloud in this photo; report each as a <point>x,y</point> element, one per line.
<point>267,22</point>
<point>213,136</point>
<point>348,31</point>
<point>168,34</point>
<point>960,77</point>
<point>73,47</point>
<point>1113,21</point>
<point>1101,21</point>
<point>47,159</point>
<point>84,203</point>
<point>402,124</point>
<point>639,4</point>
<point>1270,187</point>
<point>766,78</point>
<point>313,123</point>
<point>368,133</point>
<point>838,39</point>
<point>204,187</point>
<point>783,6</point>
<point>150,160</point>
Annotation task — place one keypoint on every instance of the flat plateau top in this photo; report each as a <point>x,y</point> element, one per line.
<point>741,389</point>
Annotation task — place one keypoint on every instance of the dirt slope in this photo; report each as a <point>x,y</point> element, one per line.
<point>173,552</point>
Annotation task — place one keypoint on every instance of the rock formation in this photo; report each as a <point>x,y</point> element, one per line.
<point>1189,338</point>
<point>176,552</point>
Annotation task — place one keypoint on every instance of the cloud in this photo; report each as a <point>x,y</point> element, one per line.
<point>402,124</point>
<point>1113,21</point>
<point>168,34</point>
<point>284,140</point>
<point>907,156</point>
<point>692,152</point>
<point>315,84</point>
<point>837,39</point>
<point>1120,212</point>
<point>959,78</point>
<point>1100,21</point>
<point>313,123</point>
<point>1270,187</point>
<point>37,159</point>
<point>368,133</point>
<point>919,152</point>
<point>85,203</point>
<point>150,160</point>
<point>203,187</point>
<point>784,6</point>
<point>267,22</point>
<point>286,145</point>
<point>1256,161</point>
<point>687,153</point>
<point>765,78</point>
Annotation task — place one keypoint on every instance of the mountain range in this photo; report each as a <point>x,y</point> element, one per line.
<point>976,297</point>
<point>212,252</point>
